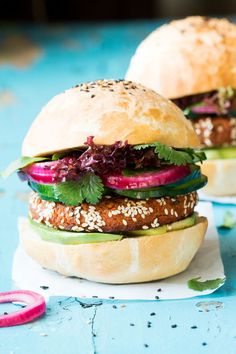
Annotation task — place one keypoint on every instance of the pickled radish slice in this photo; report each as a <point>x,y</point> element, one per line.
<point>41,172</point>
<point>167,175</point>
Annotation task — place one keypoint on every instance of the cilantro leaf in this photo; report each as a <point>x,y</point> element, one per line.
<point>229,220</point>
<point>198,285</point>
<point>89,188</point>
<point>20,163</point>
<point>175,156</point>
<point>69,193</point>
<point>92,188</point>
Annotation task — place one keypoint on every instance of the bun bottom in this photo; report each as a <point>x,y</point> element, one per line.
<point>221,177</point>
<point>131,260</point>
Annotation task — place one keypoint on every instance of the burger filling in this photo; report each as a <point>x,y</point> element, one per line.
<point>104,193</point>
<point>213,115</point>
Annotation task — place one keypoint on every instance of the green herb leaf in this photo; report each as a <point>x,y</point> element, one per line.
<point>89,188</point>
<point>92,188</point>
<point>175,156</point>
<point>229,220</point>
<point>20,163</point>
<point>197,285</point>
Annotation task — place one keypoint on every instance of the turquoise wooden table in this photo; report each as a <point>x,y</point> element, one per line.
<point>35,64</point>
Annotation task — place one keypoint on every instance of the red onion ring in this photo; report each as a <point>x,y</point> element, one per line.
<point>35,307</point>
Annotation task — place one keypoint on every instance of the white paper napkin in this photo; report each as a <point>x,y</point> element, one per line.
<point>207,264</point>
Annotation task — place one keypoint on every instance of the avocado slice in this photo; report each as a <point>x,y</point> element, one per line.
<point>50,234</point>
<point>177,225</point>
<point>71,237</point>
<point>228,152</point>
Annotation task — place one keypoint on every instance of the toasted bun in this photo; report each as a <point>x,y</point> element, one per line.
<point>110,111</point>
<point>221,177</point>
<point>186,57</point>
<point>131,260</point>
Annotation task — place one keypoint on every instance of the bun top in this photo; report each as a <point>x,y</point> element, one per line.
<point>109,110</point>
<point>186,57</point>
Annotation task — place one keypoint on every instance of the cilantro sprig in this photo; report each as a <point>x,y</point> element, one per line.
<point>174,156</point>
<point>88,188</point>
<point>197,285</point>
<point>229,220</point>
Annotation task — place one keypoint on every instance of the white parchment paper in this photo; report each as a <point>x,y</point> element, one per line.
<point>207,264</point>
<point>219,200</point>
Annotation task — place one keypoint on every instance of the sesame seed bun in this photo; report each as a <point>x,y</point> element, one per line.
<point>131,260</point>
<point>221,177</point>
<point>110,111</point>
<point>186,57</point>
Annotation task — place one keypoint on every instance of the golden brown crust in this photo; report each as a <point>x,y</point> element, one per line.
<point>186,57</point>
<point>216,131</point>
<point>131,260</point>
<point>221,177</point>
<point>110,111</point>
<point>114,214</point>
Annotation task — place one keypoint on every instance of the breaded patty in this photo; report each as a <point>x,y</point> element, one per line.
<point>216,131</point>
<point>112,214</point>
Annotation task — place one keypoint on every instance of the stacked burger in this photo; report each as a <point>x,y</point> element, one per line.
<point>192,61</point>
<point>114,180</point>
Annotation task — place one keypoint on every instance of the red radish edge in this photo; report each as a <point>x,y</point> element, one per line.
<point>41,172</point>
<point>204,109</point>
<point>35,307</point>
<point>167,175</point>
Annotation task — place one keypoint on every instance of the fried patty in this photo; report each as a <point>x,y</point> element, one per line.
<point>216,131</point>
<point>112,214</point>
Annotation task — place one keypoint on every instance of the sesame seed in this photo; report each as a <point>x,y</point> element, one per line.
<point>124,222</point>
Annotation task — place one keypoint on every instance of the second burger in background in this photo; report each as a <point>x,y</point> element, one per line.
<point>193,62</point>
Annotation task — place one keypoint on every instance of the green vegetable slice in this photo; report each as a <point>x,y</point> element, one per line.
<point>228,152</point>
<point>177,225</point>
<point>71,238</point>
<point>198,285</point>
<point>20,163</point>
<point>171,190</point>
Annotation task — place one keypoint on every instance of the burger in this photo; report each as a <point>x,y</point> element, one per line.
<point>193,62</point>
<point>114,180</point>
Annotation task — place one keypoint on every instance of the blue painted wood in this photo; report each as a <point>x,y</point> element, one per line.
<point>69,55</point>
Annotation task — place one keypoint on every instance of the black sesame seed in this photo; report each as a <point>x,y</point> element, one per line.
<point>146,345</point>
<point>193,327</point>
<point>159,289</point>
<point>111,297</point>
<point>149,324</point>
<point>5,313</point>
<point>131,324</point>
<point>94,335</point>
<point>174,326</point>
<point>204,343</point>
<point>92,96</point>
<point>95,296</point>
<point>157,297</point>
<point>44,287</point>
<point>152,314</point>
<point>114,307</point>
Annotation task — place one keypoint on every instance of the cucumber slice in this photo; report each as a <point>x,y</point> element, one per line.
<point>69,237</point>
<point>158,192</point>
<point>45,191</point>
<point>221,153</point>
<point>178,225</point>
